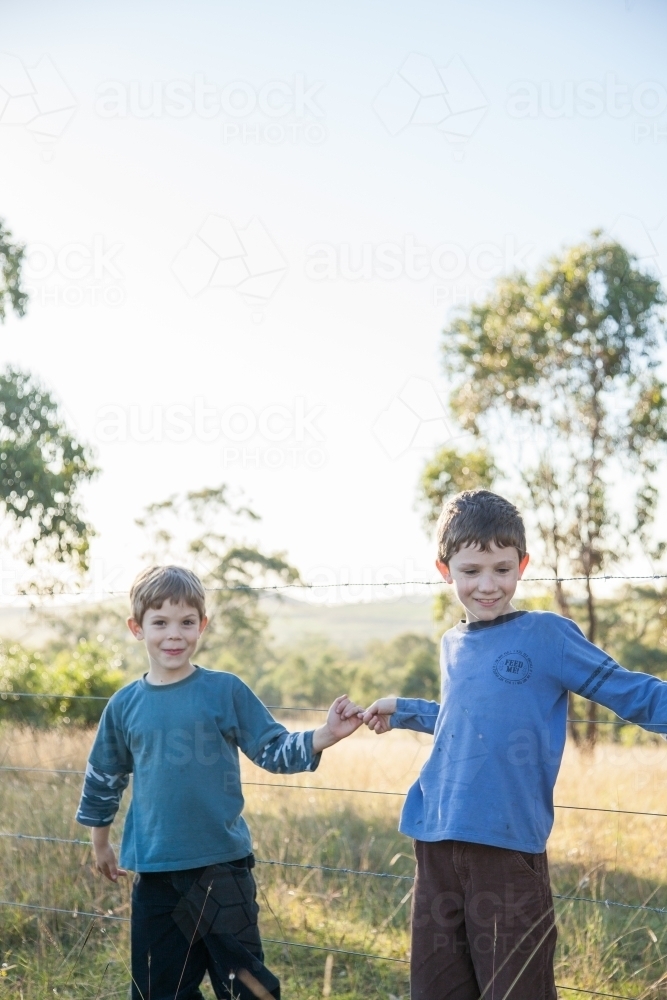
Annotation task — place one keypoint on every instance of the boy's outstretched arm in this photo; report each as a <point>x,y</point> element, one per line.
<point>402,713</point>
<point>634,696</point>
<point>290,753</point>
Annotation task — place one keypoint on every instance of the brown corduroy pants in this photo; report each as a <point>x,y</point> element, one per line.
<point>482,924</point>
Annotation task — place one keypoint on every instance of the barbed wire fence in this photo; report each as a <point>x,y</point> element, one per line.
<point>304,586</point>
<point>15,696</point>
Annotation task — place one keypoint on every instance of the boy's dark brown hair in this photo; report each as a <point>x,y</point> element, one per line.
<point>158,584</point>
<point>481,518</point>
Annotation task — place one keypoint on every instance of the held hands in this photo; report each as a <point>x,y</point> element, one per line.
<point>378,714</point>
<point>343,718</point>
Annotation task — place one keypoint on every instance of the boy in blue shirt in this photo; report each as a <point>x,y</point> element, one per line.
<point>482,808</point>
<point>178,731</point>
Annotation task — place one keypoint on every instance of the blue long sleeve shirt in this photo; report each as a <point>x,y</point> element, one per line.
<point>499,731</point>
<point>180,743</point>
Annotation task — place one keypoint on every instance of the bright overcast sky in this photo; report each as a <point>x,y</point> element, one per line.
<point>247,224</point>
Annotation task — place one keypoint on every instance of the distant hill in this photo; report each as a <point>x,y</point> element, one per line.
<point>350,626</point>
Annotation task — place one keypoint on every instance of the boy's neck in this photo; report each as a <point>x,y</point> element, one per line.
<point>158,676</point>
<point>471,617</point>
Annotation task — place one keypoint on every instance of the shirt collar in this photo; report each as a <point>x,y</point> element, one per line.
<point>464,626</point>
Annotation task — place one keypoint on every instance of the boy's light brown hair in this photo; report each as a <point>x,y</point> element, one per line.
<point>158,584</point>
<point>480,518</point>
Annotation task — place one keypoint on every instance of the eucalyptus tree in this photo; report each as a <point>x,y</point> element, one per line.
<point>557,377</point>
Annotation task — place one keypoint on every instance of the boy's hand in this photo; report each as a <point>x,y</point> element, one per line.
<point>378,714</point>
<point>344,718</point>
<point>105,858</point>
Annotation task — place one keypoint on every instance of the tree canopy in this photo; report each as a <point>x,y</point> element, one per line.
<point>11,261</point>
<point>42,467</point>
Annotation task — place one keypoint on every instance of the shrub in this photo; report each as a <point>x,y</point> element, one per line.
<point>83,676</point>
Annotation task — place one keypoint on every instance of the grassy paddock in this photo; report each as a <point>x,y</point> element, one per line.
<point>593,854</point>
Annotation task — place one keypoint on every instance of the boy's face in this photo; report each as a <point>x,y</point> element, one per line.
<point>484,582</point>
<point>171,634</point>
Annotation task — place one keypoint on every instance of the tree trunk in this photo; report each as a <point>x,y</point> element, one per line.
<point>574,729</point>
<point>591,728</point>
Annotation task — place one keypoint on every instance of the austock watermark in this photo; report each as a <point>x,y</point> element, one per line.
<point>647,243</point>
<point>277,436</point>
<point>369,584</point>
<point>273,112</point>
<point>422,94</point>
<point>442,266</point>
<point>75,274</point>
<point>222,255</point>
<point>414,419</point>
<point>19,583</point>
<point>643,102</point>
<point>36,98</point>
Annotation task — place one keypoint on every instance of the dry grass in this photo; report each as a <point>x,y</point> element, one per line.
<point>597,855</point>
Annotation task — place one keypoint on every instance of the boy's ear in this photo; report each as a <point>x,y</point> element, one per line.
<point>135,628</point>
<point>522,565</point>
<point>443,570</point>
<point>202,624</point>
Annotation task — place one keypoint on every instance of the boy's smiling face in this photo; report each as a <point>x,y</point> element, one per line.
<point>171,634</point>
<point>484,582</point>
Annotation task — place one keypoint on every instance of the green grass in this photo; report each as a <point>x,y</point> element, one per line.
<point>48,955</point>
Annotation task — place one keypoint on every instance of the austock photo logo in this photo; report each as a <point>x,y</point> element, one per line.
<point>648,244</point>
<point>420,93</point>
<point>273,112</point>
<point>36,98</point>
<point>223,256</point>
<point>415,419</point>
<point>75,274</point>
<point>641,103</point>
<point>282,435</point>
<point>444,264</point>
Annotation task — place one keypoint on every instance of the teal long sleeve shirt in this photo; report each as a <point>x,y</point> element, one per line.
<point>180,742</point>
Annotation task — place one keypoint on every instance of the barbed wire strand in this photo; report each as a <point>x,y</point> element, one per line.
<point>8,696</point>
<point>333,788</point>
<point>262,588</point>
<point>350,871</point>
<point>286,944</point>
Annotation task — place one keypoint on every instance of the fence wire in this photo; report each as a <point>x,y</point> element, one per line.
<point>349,871</point>
<point>301,586</point>
<point>286,944</point>
<point>335,788</point>
<point>10,696</point>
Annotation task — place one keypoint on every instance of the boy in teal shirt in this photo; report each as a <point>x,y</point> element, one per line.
<point>482,808</point>
<point>178,731</point>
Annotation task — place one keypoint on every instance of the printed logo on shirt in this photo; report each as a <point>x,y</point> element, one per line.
<point>513,667</point>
